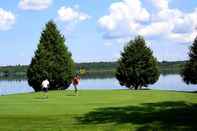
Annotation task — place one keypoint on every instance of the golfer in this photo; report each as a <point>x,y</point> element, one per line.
<point>75,82</point>
<point>45,86</point>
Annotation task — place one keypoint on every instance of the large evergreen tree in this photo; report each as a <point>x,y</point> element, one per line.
<point>137,67</point>
<point>189,72</point>
<point>52,60</point>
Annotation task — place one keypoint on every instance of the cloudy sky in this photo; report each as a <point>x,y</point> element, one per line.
<point>97,30</point>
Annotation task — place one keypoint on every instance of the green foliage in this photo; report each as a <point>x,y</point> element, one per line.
<point>97,65</point>
<point>189,73</point>
<point>52,61</point>
<point>137,66</point>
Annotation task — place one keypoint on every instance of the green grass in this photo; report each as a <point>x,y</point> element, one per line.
<point>117,110</point>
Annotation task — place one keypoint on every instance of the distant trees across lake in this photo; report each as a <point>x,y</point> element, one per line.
<point>93,69</point>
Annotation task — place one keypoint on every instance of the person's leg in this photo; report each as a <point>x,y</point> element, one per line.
<point>76,91</point>
<point>46,92</point>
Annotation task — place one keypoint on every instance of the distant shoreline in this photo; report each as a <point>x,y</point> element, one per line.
<point>92,69</point>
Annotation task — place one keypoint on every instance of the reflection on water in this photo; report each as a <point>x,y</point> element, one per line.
<point>14,86</point>
<point>165,82</point>
<point>172,82</point>
<point>107,83</point>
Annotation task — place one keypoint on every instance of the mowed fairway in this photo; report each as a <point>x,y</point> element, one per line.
<point>117,110</point>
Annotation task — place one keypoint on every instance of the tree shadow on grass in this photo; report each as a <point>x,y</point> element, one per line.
<point>149,116</point>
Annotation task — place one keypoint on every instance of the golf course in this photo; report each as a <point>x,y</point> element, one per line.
<point>98,65</point>
<point>99,110</point>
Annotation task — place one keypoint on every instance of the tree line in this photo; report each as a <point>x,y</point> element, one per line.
<point>94,69</point>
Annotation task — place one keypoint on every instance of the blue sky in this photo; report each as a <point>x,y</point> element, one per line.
<point>97,30</point>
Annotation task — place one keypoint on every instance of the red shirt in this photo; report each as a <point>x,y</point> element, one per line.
<point>76,80</point>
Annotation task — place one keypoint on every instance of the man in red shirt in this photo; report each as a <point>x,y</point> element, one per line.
<point>75,82</point>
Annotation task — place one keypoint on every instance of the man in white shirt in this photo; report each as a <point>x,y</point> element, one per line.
<point>45,86</point>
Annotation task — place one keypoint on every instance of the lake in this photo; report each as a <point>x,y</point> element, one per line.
<point>165,82</point>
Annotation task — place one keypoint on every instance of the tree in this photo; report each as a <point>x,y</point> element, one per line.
<point>189,72</point>
<point>51,61</point>
<point>137,67</point>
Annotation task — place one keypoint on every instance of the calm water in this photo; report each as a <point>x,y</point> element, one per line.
<point>167,82</point>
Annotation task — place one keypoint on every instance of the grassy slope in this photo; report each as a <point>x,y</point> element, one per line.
<point>99,110</point>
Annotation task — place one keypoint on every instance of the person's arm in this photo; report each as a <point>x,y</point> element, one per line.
<point>48,84</point>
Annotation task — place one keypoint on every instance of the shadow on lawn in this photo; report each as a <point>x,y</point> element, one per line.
<point>149,116</point>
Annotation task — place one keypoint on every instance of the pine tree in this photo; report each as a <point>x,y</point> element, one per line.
<point>189,72</point>
<point>51,61</point>
<point>137,67</point>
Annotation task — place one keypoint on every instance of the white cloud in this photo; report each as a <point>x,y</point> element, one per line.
<point>161,4</point>
<point>7,19</point>
<point>155,29</point>
<point>129,18</point>
<point>68,14</point>
<point>34,4</point>
<point>127,12</point>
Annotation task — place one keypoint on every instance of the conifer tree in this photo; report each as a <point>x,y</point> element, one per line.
<point>137,67</point>
<point>189,72</point>
<point>51,61</point>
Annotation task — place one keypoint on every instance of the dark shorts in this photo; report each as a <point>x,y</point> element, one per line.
<point>45,89</point>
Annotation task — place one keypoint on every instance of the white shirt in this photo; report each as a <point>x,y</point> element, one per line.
<point>45,84</point>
